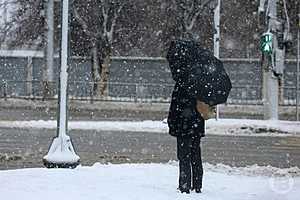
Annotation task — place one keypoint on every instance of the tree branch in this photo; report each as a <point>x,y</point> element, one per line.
<point>113,24</point>
<point>191,22</point>
<point>180,4</point>
<point>105,18</point>
<point>205,3</point>
<point>83,24</point>
<point>194,18</point>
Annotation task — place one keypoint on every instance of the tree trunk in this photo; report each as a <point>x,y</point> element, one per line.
<point>104,76</point>
<point>96,68</point>
<point>101,60</point>
<point>48,89</point>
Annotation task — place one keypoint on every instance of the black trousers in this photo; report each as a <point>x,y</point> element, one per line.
<point>190,162</point>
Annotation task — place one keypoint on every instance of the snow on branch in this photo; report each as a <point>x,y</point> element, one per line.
<point>83,23</point>
<point>190,10</point>
<point>113,24</point>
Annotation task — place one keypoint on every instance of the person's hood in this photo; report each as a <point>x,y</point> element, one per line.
<point>179,56</point>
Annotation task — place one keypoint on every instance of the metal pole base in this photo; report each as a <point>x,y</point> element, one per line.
<point>61,154</point>
<point>60,165</point>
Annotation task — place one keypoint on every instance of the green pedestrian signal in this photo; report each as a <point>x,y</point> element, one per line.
<point>266,43</point>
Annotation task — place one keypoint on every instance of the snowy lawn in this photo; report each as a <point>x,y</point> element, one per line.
<point>219,127</point>
<point>147,181</point>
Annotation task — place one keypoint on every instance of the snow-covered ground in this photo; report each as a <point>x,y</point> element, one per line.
<point>154,181</point>
<point>145,181</point>
<point>217,127</point>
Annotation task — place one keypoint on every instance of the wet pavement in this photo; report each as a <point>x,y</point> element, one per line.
<point>44,113</point>
<point>23,148</point>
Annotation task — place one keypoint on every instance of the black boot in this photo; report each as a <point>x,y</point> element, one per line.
<point>184,191</point>
<point>197,190</point>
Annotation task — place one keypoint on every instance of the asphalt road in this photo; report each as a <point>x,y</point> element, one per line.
<point>112,112</point>
<point>23,148</point>
<point>13,114</point>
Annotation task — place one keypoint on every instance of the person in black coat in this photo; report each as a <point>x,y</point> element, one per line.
<point>201,84</point>
<point>184,121</point>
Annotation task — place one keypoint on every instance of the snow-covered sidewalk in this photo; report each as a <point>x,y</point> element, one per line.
<point>217,127</point>
<point>146,181</point>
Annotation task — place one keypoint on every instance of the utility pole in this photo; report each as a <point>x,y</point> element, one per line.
<point>298,68</point>
<point>270,81</point>
<point>273,46</point>
<point>49,50</point>
<point>217,11</point>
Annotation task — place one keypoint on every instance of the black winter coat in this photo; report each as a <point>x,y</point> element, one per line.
<point>183,119</point>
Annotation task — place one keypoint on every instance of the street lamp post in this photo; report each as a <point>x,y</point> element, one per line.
<point>61,153</point>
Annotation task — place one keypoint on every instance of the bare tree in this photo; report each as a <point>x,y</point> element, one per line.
<point>26,29</point>
<point>25,25</point>
<point>98,20</point>
<point>188,12</point>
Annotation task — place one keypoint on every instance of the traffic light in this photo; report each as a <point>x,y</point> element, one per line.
<point>266,43</point>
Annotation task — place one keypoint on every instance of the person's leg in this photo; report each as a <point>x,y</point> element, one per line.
<point>197,167</point>
<point>184,157</point>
